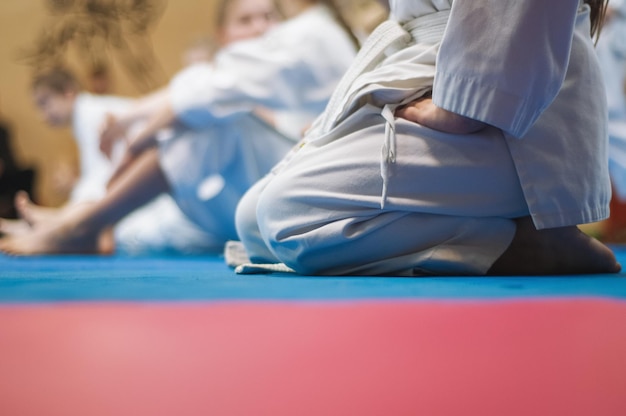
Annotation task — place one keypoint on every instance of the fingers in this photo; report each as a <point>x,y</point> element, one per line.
<point>10,227</point>
<point>415,111</point>
<point>22,200</point>
<point>110,132</point>
<point>408,113</point>
<point>105,143</point>
<point>25,208</point>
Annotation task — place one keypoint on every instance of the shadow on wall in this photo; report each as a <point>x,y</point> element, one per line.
<point>13,178</point>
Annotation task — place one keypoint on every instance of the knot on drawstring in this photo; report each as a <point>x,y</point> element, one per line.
<point>386,39</point>
<point>388,155</point>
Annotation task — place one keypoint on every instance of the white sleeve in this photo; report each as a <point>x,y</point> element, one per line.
<point>244,76</point>
<point>294,67</point>
<point>503,61</point>
<point>185,90</point>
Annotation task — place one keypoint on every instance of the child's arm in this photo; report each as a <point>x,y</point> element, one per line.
<point>424,112</point>
<point>115,127</point>
<point>161,118</point>
<point>144,138</point>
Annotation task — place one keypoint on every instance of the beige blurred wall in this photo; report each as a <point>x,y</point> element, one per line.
<point>45,148</point>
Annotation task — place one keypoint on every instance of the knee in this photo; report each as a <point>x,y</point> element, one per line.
<point>293,227</point>
<point>248,228</point>
<point>245,214</point>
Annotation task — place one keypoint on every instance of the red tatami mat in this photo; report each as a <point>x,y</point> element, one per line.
<point>513,357</point>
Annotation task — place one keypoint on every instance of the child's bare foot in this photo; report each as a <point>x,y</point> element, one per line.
<point>61,237</point>
<point>565,250</point>
<point>106,242</point>
<point>32,213</point>
<point>13,227</point>
<point>50,241</point>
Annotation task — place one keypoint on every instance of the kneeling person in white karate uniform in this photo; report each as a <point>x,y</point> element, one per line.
<point>490,176</point>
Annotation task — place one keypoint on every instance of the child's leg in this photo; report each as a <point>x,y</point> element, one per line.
<point>321,214</point>
<point>446,211</point>
<point>33,215</point>
<point>319,240</point>
<point>30,215</point>
<point>31,212</point>
<point>13,227</point>
<point>81,231</point>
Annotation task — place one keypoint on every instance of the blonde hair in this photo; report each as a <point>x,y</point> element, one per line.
<point>58,79</point>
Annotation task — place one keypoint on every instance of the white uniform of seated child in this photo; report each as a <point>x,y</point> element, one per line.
<point>160,226</point>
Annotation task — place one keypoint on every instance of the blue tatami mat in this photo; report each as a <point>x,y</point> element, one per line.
<point>200,278</point>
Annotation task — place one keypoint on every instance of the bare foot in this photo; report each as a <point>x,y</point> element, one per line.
<point>32,213</point>
<point>106,242</point>
<point>61,237</point>
<point>565,250</point>
<point>13,227</point>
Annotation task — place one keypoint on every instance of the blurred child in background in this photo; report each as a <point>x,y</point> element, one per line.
<point>159,226</point>
<point>218,146</point>
<point>611,50</point>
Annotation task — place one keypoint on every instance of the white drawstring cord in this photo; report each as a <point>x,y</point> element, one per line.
<point>388,156</point>
<point>387,36</point>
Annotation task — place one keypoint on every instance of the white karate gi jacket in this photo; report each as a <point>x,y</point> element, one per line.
<point>611,51</point>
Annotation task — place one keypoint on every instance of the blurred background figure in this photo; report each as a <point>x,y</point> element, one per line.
<point>100,79</point>
<point>168,28</point>
<point>157,227</point>
<point>200,20</point>
<point>202,49</point>
<point>218,146</point>
<point>611,50</point>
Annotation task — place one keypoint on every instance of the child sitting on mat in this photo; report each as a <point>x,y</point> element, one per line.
<point>160,226</point>
<point>219,146</point>
<point>61,102</point>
